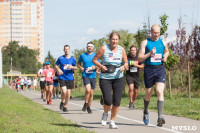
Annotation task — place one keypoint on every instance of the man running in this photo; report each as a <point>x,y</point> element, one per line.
<point>42,82</point>
<point>67,64</point>
<point>88,75</point>
<point>132,75</point>
<point>154,52</point>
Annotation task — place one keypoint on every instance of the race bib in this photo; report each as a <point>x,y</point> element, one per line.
<point>156,58</point>
<point>133,69</point>
<point>49,74</point>
<point>89,70</point>
<point>66,67</point>
<point>114,57</point>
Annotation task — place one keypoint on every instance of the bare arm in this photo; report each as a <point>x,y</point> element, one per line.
<point>124,59</point>
<point>99,55</point>
<point>60,72</point>
<point>166,52</point>
<point>79,65</point>
<point>142,56</point>
<point>139,66</point>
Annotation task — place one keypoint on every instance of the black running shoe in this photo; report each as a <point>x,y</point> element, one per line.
<point>61,105</point>
<point>84,107</point>
<point>65,109</point>
<point>160,122</point>
<point>89,110</point>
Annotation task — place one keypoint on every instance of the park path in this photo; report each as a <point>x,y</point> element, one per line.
<point>128,121</point>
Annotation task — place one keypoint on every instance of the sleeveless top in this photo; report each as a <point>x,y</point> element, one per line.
<point>111,58</point>
<point>155,59</point>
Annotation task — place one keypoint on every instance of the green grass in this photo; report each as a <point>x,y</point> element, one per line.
<point>177,105</point>
<point>21,115</point>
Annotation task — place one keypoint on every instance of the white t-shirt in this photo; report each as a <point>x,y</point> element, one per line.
<point>29,82</point>
<point>40,73</point>
<point>22,82</point>
<point>35,82</point>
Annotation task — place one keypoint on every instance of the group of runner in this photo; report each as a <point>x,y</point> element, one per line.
<point>23,83</point>
<point>114,61</point>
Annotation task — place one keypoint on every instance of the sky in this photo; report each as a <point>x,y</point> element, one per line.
<point>76,22</point>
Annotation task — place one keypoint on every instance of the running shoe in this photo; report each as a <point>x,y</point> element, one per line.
<point>57,96</point>
<point>84,107</point>
<point>47,102</point>
<point>133,107</point>
<point>61,105</point>
<point>41,96</point>
<point>65,109</point>
<point>146,118</point>
<point>44,100</point>
<point>113,125</point>
<point>160,121</point>
<point>50,101</point>
<point>89,110</point>
<point>104,119</point>
<point>130,106</point>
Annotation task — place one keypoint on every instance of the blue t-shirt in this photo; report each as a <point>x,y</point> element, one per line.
<point>155,59</point>
<point>64,62</point>
<point>87,64</point>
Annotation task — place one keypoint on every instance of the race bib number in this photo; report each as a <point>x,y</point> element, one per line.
<point>49,74</point>
<point>156,58</point>
<point>66,67</point>
<point>133,69</point>
<point>89,70</point>
<point>114,57</point>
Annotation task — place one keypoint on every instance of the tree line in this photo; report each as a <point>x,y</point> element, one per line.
<point>183,64</point>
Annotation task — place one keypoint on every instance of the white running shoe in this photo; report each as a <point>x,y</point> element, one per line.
<point>113,125</point>
<point>104,119</point>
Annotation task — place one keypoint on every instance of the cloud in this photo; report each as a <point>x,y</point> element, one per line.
<point>171,39</point>
<point>91,31</point>
<point>128,25</point>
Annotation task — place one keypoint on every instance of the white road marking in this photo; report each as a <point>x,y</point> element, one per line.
<point>119,116</point>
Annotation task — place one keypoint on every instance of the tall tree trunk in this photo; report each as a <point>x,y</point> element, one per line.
<point>170,85</point>
<point>181,83</point>
<point>189,85</point>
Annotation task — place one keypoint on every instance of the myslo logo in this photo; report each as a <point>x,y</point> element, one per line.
<point>184,128</point>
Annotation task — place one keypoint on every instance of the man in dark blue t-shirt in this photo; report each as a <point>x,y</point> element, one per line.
<point>89,75</point>
<point>67,64</point>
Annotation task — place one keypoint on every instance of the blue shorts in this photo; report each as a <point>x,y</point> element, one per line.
<point>55,84</point>
<point>153,74</point>
<point>91,81</point>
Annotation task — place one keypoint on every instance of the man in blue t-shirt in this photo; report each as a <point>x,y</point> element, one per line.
<point>89,75</point>
<point>154,52</point>
<point>67,64</point>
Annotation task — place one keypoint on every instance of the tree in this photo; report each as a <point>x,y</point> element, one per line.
<point>170,64</point>
<point>23,59</point>
<point>51,59</point>
<point>164,25</point>
<point>142,34</point>
<point>179,49</point>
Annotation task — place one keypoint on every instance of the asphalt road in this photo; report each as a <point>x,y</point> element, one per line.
<point>128,121</point>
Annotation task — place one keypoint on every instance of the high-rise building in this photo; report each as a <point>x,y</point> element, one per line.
<point>22,21</point>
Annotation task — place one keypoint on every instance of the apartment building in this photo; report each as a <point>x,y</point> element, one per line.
<point>23,21</point>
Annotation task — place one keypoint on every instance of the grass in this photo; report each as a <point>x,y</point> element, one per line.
<point>21,115</point>
<point>177,105</point>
